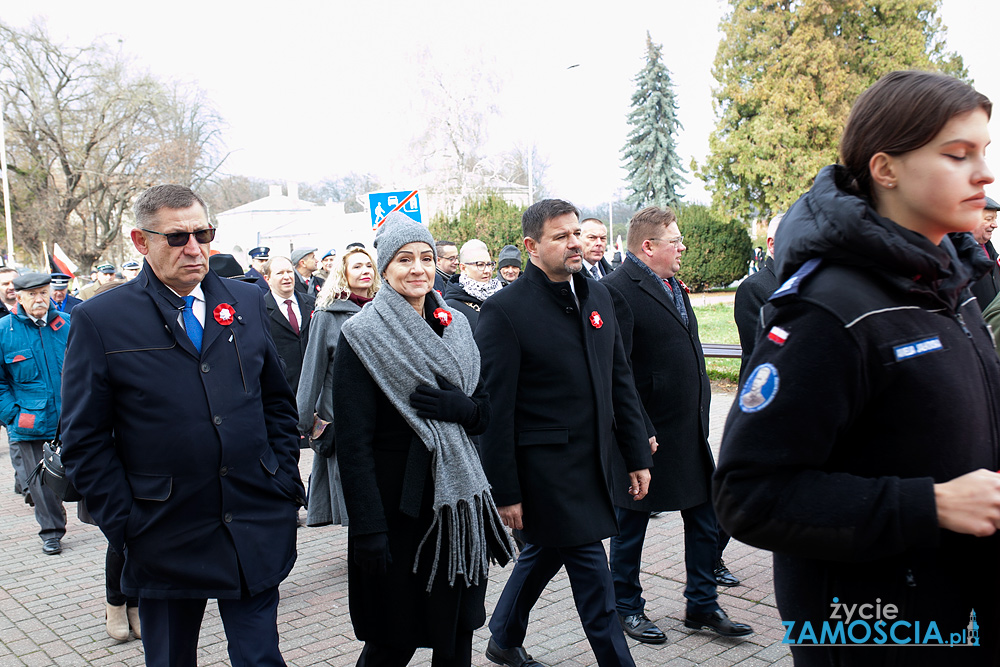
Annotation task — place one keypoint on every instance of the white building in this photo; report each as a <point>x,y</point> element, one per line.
<point>284,222</point>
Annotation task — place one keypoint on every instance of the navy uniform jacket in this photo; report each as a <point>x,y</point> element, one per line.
<point>187,461</point>
<point>558,381</point>
<point>261,280</point>
<point>68,304</point>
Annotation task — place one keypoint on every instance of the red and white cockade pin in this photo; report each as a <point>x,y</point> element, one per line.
<point>683,286</point>
<point>777,335</point>
<point>595,320</point>
<point>443,316</point>
<point>224,314</point>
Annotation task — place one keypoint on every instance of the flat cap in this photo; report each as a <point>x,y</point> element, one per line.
<point>991,205</point>
<point>32,280</point>
<point>299,253</point>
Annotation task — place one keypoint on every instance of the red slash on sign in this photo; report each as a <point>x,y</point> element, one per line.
<point>398,206</point>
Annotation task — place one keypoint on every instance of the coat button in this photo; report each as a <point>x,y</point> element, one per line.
<point>228,518</point>
<point>205,367</point>
<point>564,292</point>
<point>223,470</point>
<point>217,420</point>
<point>569,310</point>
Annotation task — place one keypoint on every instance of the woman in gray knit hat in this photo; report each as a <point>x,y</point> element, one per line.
<point>423,523</point>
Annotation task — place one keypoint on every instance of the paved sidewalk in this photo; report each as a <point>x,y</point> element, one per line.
<point>52,607</point>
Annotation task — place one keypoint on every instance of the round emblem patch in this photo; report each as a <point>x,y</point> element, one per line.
<point>760,389</point>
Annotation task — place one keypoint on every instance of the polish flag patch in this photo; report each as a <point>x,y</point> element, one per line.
<point>777,335</point>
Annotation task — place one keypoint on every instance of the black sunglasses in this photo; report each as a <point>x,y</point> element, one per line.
<point>178,239</point>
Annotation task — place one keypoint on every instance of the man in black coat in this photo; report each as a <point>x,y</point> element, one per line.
<point>547,451</point>
<point>751,296</point>
<point>594,236</point>
<point>289,313</point>
<point>660,335</point>
<point>986,288</point>
<point>185,442</point>
<point>305,263</point>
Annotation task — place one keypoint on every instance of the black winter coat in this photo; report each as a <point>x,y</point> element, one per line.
<point>456,297</point>
<point>751,296</point>
<point>389,488</point>
<point>880,380</point>
<point>558,381</point>
<point>669,369</point>
<point>291,346</point>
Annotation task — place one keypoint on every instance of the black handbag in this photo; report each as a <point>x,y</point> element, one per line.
<point>52,473</point>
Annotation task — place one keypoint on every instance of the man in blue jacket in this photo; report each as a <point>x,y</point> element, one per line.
<point>32,345</point>
<point>185,444</point>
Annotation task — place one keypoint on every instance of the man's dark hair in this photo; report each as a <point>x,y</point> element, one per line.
<point>164,196</point>
<point>538,213</point>
<point>441,244</point>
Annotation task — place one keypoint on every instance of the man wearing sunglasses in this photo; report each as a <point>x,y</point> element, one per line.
<point>185,447</point>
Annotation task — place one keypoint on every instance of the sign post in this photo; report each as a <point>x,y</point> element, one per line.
<point>381,204</point>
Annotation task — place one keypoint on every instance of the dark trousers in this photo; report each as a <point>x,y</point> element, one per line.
<point>113,566</point>
<point>49,512</point>
<point>388,655</point>
<point>170,630</point>
<point>593,592</point>
<point>701,540</point>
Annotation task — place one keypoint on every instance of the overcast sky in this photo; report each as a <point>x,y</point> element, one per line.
<point>313,89</point>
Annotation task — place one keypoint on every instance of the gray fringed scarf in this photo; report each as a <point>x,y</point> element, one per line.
<point>400,351</point>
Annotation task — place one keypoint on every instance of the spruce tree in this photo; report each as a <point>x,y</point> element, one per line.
<point>650,154</point>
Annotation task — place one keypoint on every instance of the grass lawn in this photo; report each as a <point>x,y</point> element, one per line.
<point>716,325</point>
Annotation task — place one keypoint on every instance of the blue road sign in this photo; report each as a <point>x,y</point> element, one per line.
<point>381,203</point>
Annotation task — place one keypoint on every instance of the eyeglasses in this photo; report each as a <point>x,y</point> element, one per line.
<point>674,242</point>
<point>482,265</point>
<point>179,239</point>
<point>453,258</point>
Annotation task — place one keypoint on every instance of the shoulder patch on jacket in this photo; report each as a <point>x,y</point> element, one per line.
<point>792,285</point>
<point>760,388</point>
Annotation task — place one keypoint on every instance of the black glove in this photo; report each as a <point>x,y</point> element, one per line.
<point>447,404</point>
<point>371,553</point>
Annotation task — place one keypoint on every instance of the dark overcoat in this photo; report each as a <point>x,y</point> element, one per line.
<point>669,370</point>
<point>751,296</point>
<point>389,488</point>
<point>558,381</point>
<point>456,297</point>
<point>188,461</point>
<point>987,287</point>
<point>291,346</point>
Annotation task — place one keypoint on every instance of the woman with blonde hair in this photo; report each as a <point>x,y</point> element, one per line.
<point>352,283</point>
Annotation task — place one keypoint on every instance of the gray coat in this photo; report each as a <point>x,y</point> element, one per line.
<point>315,395</point>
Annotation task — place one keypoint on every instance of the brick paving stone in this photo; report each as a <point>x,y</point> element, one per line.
<point>52,607</point>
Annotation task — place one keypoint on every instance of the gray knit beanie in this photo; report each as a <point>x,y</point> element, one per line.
<point>397,230</point>
<point>509,256</point>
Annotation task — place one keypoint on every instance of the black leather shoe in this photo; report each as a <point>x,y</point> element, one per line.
<point>52,546</point>
<point>511,657</point>
<point>640,628</point>
<point>717,622</point>
<point>723,577</point>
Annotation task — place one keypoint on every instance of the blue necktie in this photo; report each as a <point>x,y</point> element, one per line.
<point>191,323</point>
